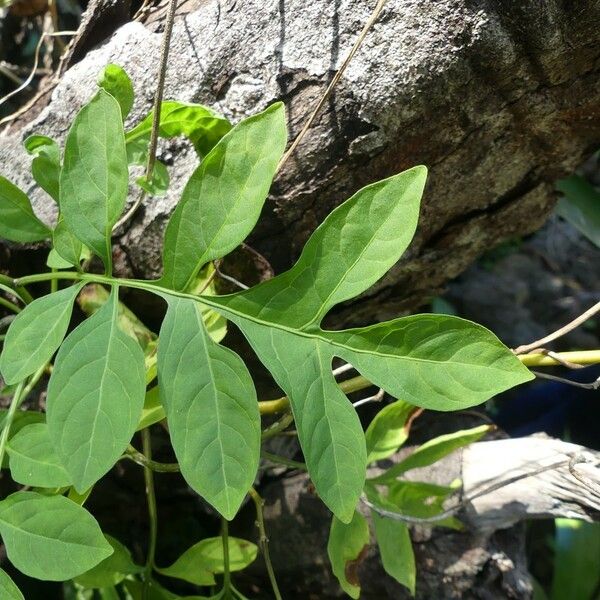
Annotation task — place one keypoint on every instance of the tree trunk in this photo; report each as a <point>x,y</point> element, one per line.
<point>498,99</point>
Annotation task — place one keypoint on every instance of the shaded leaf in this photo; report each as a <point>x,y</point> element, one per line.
<point>94,178</point>
<point>387,431</point>
<point>203,560</point>
<point>395,548</point>
<point>434,450</point>
<point>95,396</point>
<point>8,588</point>
<point>346,548</point>
<point>112,570</point>
<point>224,196</point>
<point>213,416</point>
<point>45,166</point>
<point>50,537</point>
<point>18,223</point>
<point>117,83</point>
<point>65,244</point>
<point>36,333</point>
<point>580,206</point>
<point>153,410</point>
<point>33,460</point>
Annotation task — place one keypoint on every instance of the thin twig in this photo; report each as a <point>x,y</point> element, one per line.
<point>141,459</point>
<point>378,397</point>
<point>281,460</point>
<point>594,385</point>
<point>582,318</point>
<point>31,75</point>
<point>229,278</point>
<point>152,515</point>
<point>264,540</point>
<point>577,458</point>
<point>342,369</point>
<point>359,40</point>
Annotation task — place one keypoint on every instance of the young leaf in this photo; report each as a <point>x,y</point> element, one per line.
<point>36,333</point>
<point>580,206</point>
<point>112,570</point>
<point>203,560</point>
<point>8,588</point>
<point>18,223</point>
<point>347,547</point>
<point>33,460</point>
<point>66,245</point>
<point>201,125</point>
<point>153,410</point>
<point>95,396</point>
<point>433,361</point>
<point>137,154</point>
<point>116,82</point>
<point>224,196</point>
<point>94,178</point>
<point>434,450</point>
<point>387,431</point>
<point>395,548</point>
<point>50,537</point>
<point>45,166</point>
<point>211,408</point>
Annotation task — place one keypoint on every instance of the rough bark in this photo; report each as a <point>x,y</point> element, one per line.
<point>485,560</point>
<point>498,99</point>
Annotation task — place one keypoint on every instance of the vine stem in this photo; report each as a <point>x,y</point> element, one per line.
<point>9,305</point>
<point>152,513</point>
<point>226,567</point>
<point>264,540</point>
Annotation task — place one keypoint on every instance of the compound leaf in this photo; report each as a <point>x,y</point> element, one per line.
<point>211,408</point>
<point>224,196</point>
<point>94,178</point>
<point>8,588</point>
<point>36,333</point>
<point>95,395</point>
<point>346,548</point>
<point>33,460</point>
<point>18,222</point>
<point>50,537</point>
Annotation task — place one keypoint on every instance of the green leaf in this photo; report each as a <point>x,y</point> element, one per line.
<point>8,588</point>
<point>224,196</point>
<point>347,548</point>
<point>203,560</point>
<point>36,333</point>
<point>580,206</point>
<point>395,548</point>
<point>95,396</point>
<point>576,560</point>
<point>202,126</point>
<point>433,361</point>
<point>153,410</point>
<point>117,83</point>
<point>211,408</point>
<point>50,537</point>
<point>137,154</point>
<point>33,460</point>
<point>66,245</point>
<point>94,178</point>
<point>388,431</point>
<point>45,166</point>
<point>18,223</point>
<point>434,450</point>
<point>112,570</point>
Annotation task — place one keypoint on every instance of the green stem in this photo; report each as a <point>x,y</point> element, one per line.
<point>9,305</point>
<point>152,514</point>
<point>14,404</point>
<point>281,460</point>
<point>53,284</point>
<point>142,460</point>
<point>226,569</point>
<point>264,540</point>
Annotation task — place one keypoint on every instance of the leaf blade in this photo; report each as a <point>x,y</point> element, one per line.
<point>95,396</point>
<point>8,588</point>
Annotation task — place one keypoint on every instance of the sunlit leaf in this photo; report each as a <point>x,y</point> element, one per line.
<point>388,431</point>
<point>118,84</point>
<point>45,166</point>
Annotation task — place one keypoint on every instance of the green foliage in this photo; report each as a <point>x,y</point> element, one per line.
<point>8,588</point>
<point>97,394</point>
<point>580,206</point>
<point>50,537</point>
<point>18,222</point>
<point>347,546</point>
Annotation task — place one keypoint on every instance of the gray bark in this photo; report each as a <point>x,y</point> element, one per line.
<point>497,98</point>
